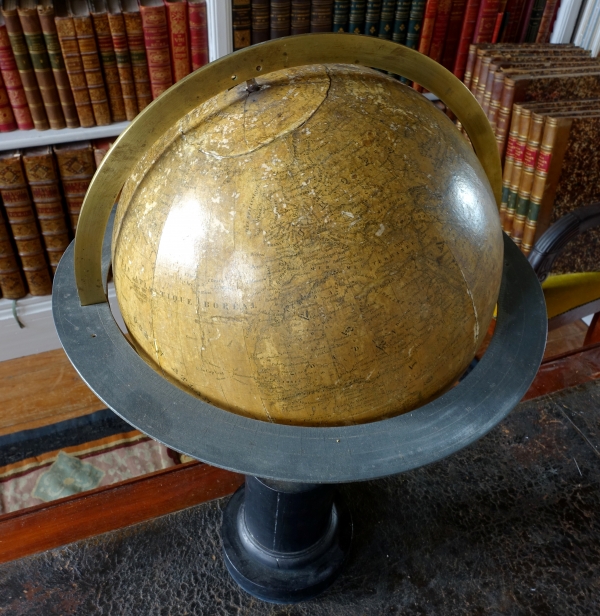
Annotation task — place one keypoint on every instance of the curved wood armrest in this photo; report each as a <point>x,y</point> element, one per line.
<point>552,242</point>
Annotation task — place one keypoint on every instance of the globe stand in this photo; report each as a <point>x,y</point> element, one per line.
<point>285,542</point>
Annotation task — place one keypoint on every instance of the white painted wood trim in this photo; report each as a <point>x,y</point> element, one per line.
<point>39,333</point>
<point>220,28</point>
<point>34,138</point>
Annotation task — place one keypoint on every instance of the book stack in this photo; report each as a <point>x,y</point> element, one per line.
<point>71,63</point>
<point>440,29</point>
<point>41,191</point>
<point>543,102</point>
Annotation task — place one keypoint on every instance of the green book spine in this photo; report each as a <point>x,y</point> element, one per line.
<point>401,21</point>
<point>535,20</point>
<point>341,13</point>
<point>415,22</point>
<point>372,17</point>
<point>386,22</point>
<point>356,23</point>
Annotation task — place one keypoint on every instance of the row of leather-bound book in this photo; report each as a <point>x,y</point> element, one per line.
<point>440,29</point>
<point>543,103</point>
<point>71,63</point>
<point>41,192</point>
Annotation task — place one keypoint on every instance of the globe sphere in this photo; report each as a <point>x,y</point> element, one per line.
<point>321,247</point>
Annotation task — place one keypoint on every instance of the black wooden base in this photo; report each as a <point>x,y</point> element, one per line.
<point>285,542</point>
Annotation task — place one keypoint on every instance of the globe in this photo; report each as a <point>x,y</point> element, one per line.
<point>319,247</point>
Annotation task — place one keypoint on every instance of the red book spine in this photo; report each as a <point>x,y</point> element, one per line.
<point>13,83</point>
<point>453,37</point>
<point>514,8</point>
<point>524,21</point>
<point>440,29</point>
<point>466,37</point>
<point>486,21</point>
<point>156,37</point>
<point>427,26</point>
<point>179,38</point>
<point>7,118</point>
<point>198,33</point>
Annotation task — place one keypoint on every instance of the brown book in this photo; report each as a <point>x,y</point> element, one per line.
<point>137,50</point>
<point>76,167</point>
<point>321,16</point>
<point>179,38</point>
<point>118,33</point>
<point>21,217</point>
<point>156,38</point>
<point>509,162</point>
<point>26,72</point>
<point>260,16</point>
<point>281,14</point>
<point>42,175</point>
<point>86,40</point>
<point>108,58</point>
<point>534,86</point>
<point>300,18</point>
<point>67,37</point>
<point>34,38</point>
<point>12,285</point>
<point>567,176</point>
<point>101,147</point>
<point>242,24</point>
<point>46,16</point>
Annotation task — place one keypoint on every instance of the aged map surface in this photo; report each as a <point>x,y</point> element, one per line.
<point>324,250</point>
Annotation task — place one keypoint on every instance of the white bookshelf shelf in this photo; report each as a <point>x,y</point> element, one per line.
<point>33,138</point>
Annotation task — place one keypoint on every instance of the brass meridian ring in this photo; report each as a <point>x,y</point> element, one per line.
<point>241,66</point>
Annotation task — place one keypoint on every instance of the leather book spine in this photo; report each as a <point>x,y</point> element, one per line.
<point>280,18</point>
<point>34,38</point>
<point>546,177</point>
<point>356,19</point>
<point>543,34</point>
<point>21,218</point>
<point>156,37</point>
<point>514,9</point>
<point>177,20</point>
<point>535,20</point>
<point>440,30</point>
<point>21,55</point>
<point>484,69</point>
<point>242,24</point>
<point>341,16</point>
<point>13,83</point>
<point>137,50</point>
<point>92,69</point>
<point>116,23</point>
<point>372,17</point>
<point>101,147</point>
<point>260,15</point>
<point>506,104</point>
<point>486,21</point>
<point>431,9</point>
<point>509,161</point>
<point>474,80</point>
<point>453,37</point>
<point>532,150</point>
<point>321,15</point>
<point>417,10</point>
<point>466,37</point>
<point>300,19</point>
<point>386,20</point>
<point>515,179</point>
<point>42,176</point>
<point>12,285</point>
<point>76,167</point>
<point>524,21</point>
<point>57,63</point>
<point>495,99</point>
<point>500,21</point>
<point>487,94</point>
<point>7,117</point>
<point>108,59</point>
<point>470,66</point>
<point>199,32</point>
<point>67,38</point>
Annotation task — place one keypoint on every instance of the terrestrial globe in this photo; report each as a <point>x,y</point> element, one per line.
<point>307,255</point>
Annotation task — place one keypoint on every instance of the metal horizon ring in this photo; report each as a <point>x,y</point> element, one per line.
<point>130,387</point>
<point>241,66</point>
